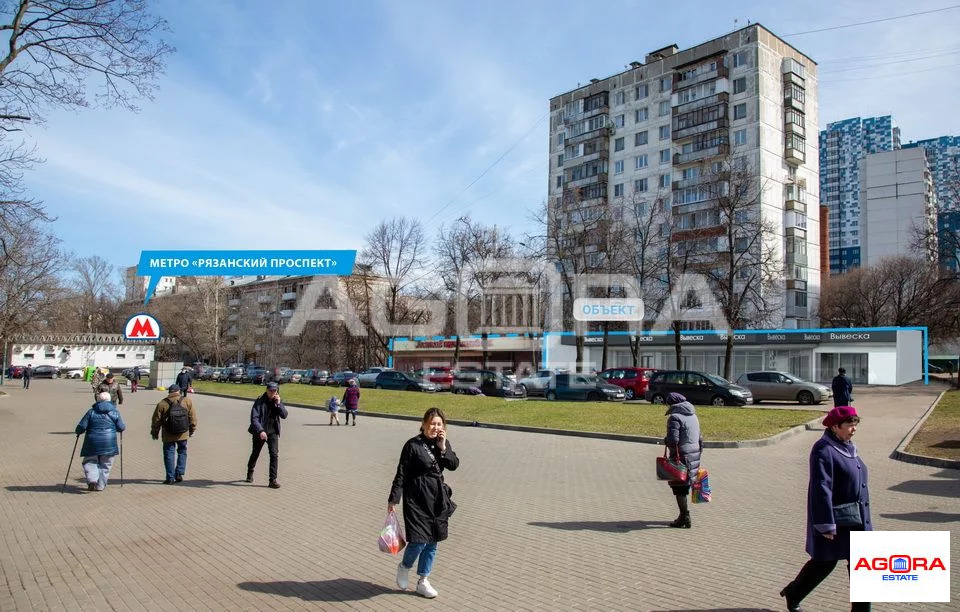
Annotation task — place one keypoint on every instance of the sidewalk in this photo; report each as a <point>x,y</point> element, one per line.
<point>544,522</point>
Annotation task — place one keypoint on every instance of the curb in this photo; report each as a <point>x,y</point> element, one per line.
<point>774,439</point>
<point>900,453</point>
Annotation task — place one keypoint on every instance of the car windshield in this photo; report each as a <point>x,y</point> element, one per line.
<point>717,380</point>
<point>589,380</point>
<point>792,377</point>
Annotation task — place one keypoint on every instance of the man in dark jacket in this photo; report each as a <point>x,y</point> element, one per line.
<point>842,389</point>
<point>184,380</point>
<point>28,374</point>
<point>265,417</point>
<point>109,385</point>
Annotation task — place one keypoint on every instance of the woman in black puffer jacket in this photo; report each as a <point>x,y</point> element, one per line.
<point>685,444</point>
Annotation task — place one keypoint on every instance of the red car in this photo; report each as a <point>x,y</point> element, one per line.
<point>442,377</point>
<point>633,380</point>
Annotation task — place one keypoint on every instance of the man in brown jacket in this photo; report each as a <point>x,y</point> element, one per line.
<point>178,419</point>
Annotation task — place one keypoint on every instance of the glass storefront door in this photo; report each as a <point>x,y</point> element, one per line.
<point>856,364</point>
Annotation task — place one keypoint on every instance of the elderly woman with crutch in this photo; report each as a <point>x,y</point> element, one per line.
<point>101,424</point>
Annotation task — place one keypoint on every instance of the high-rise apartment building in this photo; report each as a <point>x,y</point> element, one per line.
<point>943,155</point>
<point>842,147</point>
<point>655,134</point>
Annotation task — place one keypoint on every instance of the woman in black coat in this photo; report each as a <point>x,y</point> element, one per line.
<point>836,497</point>
<point>426,498</point>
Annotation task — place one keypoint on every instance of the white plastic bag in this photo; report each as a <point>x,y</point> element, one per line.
<point>391,538</point>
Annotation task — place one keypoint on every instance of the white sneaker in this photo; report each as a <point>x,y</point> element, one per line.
<point>403,574</point>
<point>424,588</point>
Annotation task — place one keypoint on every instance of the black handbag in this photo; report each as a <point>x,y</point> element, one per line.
<point>847,515</point>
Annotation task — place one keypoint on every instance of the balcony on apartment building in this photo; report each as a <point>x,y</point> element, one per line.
<point>794,149</point>
<point>288,295</point>
<point>792,127</point>
<point>600,132</point>
<point>793,96</point>
<point>699,154</point>
<point>600,177</point>
<point>233,302</point>
<point>265,299</point>
<point>696,126</point>
<point>686,107</point>
<point>679,82</point>
<point>796,284</point>
<point>795,259</point>
<point>796,311</point>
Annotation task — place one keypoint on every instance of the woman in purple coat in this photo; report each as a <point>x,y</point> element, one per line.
<point>838,502</point>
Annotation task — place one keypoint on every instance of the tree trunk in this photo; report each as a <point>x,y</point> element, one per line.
<point>606,337</point>
<point>728,355</point>
<point>483,346</point>
<point>676,344</point>
<point>635,350</point>
<point>456,353</point>
<point>579,353</point>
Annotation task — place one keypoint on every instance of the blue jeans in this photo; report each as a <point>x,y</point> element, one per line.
<point>168,451</point>
<point>425,550</point>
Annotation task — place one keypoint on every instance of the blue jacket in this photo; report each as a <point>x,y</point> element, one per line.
<point>683,435</point>
<point>101,424</point>
<point>837,476</point>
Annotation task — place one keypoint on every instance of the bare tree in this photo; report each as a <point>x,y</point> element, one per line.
<point>29,279</point>
<point>394,250</point>
<point>746,269</point>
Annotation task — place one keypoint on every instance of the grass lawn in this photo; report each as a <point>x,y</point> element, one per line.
<point>940,434</point>
<point>640,419</point>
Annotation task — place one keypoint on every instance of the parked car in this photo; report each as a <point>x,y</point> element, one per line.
<point>74,374</point>
<point>236,374</point>
<point>202,372</point>
<point>392,379</point>
<point>255,374</point>
<point>320,377</point>
<point>571,386</point>
<point>783,386</point>
<point>537,383</point>
<point>489,382</point>
<point>295,376</point>
<point>633,380</point>
<point>128,373</point>
<point>699,388</point>
<point>341,379</point>
<point>441,376</point>
<point>46,371</point>
<point>368,377</point>
<point>220,374</point>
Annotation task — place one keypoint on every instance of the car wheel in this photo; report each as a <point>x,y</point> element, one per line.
<point>551,395</point>
<point>718,401</point>
<point>805,398</point>
<point>657,399</point>
<point>631,394</point>
<point>378,387</point>
<point>524,389</point>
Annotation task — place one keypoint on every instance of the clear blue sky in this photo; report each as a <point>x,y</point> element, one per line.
<point>299,124</point>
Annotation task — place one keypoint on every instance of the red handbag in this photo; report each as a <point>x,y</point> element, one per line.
<point>671,469</point>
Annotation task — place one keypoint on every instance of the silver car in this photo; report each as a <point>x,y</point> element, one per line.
<point>772,385</point>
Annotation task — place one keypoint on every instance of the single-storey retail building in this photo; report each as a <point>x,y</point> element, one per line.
<point>74,351</point>
<point>509,352</point>
<point>874,356</point>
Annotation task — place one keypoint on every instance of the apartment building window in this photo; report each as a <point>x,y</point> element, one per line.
<point>641,114</point>
<point>792,115</point>
<point>618,190</point>
<point>619,121</point>
<point>559,181</point>
<point>618,144</point>
<point>560,138</point>
<point>690,173</point>
<point>800,299</point>
<point>640,138</point>
<point>640,185</point>
<point>740,58</point>
<point>560,160</point>
<point>666,83</point>
<point>640,162</point>
<point>619,98</point>
<point>740,111</point>
<point>740,244</point>
<point>664,108</point>
<point>664,180</point>
<point>740,137</point>
<point>618,167</point>
<point>641,91</point>
<point>664,156</point>
<point>740,85</point>
<point>664,132</point>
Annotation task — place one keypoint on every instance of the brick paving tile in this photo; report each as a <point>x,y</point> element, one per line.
<point>544,522</point>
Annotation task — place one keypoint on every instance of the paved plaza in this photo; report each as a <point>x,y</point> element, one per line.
<point>544,522</point>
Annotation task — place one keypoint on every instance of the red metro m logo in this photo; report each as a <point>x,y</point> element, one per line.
<point>141,327</point>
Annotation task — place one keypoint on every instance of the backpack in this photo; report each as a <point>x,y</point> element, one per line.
<point>178,419</point>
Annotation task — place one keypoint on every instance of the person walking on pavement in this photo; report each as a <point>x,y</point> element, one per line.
<point>100,424</point>
<point>265,417</point>
<point>177,418</point>
<point>426,498</point>
<point>111,386</point>
<point>351,400</point>
<point>685,444</point>
<point>838,502</point>
<point>135,379</point>
<point>27,375</point>
<point>842,389</point>
<point>184,380</point>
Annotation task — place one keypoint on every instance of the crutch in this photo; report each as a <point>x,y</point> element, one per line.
<point>71,463</point>
<point>121,459</point>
